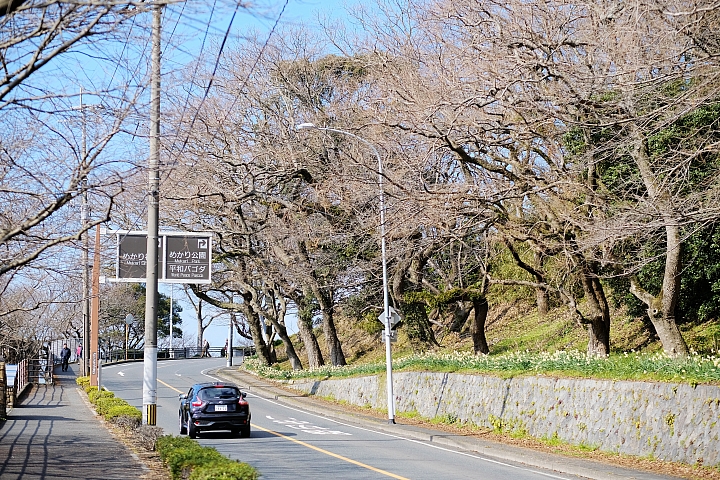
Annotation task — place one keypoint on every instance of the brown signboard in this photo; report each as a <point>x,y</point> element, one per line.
<point>182,257</point>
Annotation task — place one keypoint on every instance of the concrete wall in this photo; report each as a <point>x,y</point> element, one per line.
<point>668,421</point>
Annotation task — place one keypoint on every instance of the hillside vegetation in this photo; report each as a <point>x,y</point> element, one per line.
<point>521,343</point>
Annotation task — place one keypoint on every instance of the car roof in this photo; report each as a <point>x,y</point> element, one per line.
<point>215,384</point>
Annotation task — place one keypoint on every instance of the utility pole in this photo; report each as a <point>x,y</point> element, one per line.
<point>151,293</point>
<point>229,349</point>
<point>85,367</point>
<point>171,351</point>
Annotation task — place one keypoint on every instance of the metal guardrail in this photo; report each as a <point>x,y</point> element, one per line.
<point>40,370</point>
<point>119,355</point>
<point>17,378</point>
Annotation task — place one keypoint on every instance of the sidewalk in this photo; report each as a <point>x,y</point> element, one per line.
<point>562,464</point>
<point>52,434</point>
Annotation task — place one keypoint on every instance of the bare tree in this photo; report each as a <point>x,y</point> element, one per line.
<point>52,153</point>
<point>500,86</point>
<point>203,320</point>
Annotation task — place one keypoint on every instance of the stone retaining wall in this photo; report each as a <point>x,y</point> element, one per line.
<point>674,422</point>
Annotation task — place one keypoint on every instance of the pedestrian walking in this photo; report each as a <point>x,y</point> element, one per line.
<point>78,353</point>
<point>65,357</point>
<point>224,350</point>
<point>206,349</point>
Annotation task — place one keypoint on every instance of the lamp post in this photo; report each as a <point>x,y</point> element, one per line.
<point>129,319</point>
<point>386,302</point>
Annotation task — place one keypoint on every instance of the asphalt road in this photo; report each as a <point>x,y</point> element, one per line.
<point>288,442</point>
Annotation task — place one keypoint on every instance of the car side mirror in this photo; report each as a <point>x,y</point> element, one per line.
<point>182,396</point>
<point>243,394</point>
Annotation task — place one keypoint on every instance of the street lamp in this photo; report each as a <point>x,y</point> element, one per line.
<point>386,305</point>
<point>129,319</point>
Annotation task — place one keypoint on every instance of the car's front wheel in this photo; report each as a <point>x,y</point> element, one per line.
<point>191,428</point>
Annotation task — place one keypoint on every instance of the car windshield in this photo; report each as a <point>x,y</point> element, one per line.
<point>214,393</point>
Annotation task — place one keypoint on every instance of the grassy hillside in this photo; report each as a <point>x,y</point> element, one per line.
<point>517,328</point>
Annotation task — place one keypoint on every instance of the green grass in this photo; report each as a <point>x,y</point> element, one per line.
<point>695,369</point>
<point>553,441</point>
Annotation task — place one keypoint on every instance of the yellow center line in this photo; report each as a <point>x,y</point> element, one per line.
<point>349,460</point>
<point>169,386</point>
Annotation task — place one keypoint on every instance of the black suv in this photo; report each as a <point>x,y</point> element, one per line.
<point>214,406</point>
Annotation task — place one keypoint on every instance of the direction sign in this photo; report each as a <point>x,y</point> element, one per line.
<point>187,259</point>
<point>394,317</point>
<point>182,257</point>
<point>132,256</point>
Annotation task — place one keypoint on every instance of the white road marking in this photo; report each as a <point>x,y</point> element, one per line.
<point>411,440</point>
<point>307,427</point>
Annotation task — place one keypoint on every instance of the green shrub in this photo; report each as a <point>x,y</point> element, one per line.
<point>104,404</point>
<point>184,456</point>
<point>83,381</point>
<point>124,410</point>
<point>228,470</point>
<point>168,443</point>
<point>183,460</point>
<point>89,389</point>
<point>97,394</point>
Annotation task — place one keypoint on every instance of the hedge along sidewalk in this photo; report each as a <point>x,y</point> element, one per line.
<point>187,459</point>
<point>52,434</point>
<point>183,457</point>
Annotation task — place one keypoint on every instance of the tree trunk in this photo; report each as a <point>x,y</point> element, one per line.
<point>335,352</point>
<point>598,320</point>
<point>666,324</point>
<point>312,348</point>
<point>262,349</point>
<point>543,302</point>
<point>666,327</point>
<point>661,310</point>
<point>292,355</point>
<point>460,315</point>
<point>672,341</point>
<point>417,325</point>
<point>541,291</point>
<point>477,329</point>
<point>407,278</point>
